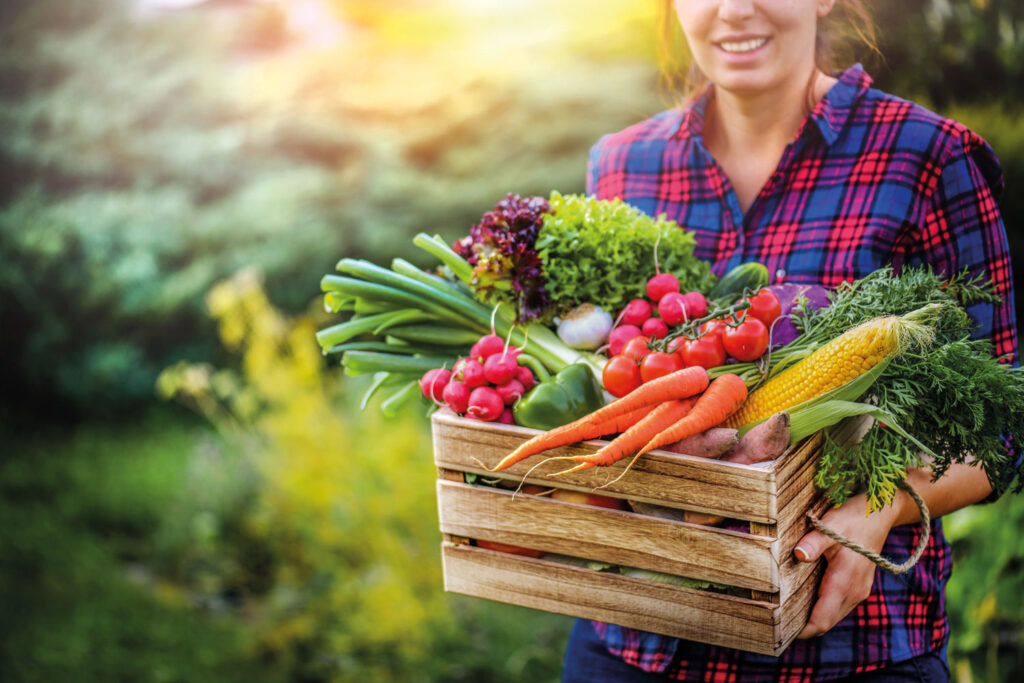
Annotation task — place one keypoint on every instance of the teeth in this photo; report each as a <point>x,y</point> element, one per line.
<point>745,46</point>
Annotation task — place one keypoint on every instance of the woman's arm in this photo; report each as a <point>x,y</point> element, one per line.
<point>849,575</point>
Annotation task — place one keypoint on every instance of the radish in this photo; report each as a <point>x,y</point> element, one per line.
<point>654,328</point>
<point>672,308</point>
<point>619,336</point>
<point>470,371</point>
<point>485,404</point>
<point>500,368</point>
<point>507,417</point>
<point>525,377</point>
<point>695,304</point>
<point>636,312</point>
<point>433,382</point>
<point>511,391</point>
<point>456,396</point>
<point>487,346</point>
<point>660,285</point>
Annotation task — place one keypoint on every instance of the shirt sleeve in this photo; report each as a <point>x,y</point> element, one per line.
<point>963,230</point>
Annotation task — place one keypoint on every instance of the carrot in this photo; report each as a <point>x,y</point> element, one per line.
<point>666,414</point>
<point>572,433</point>
<point>723,397</point>
<point>675,385</point>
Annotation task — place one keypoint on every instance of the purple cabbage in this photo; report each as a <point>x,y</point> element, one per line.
<point>784,331</point>
<point>501,249</point>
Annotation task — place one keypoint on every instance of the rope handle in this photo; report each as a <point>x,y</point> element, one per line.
<point>875,557</point>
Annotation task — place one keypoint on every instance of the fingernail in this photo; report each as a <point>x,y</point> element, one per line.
<point>801,554</point>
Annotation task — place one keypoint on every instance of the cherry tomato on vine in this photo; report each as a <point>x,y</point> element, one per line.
<point>706,351</point>
<point>658,364</point>
<point>621,375</point>
<point>713,327</point>
<point>676,344</point>
<point>636,348</point>
<point>746,341</point>
<point>765,307</point>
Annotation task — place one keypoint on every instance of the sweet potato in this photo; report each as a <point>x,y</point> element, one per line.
<point>708,444</point>
<point>766,441</point>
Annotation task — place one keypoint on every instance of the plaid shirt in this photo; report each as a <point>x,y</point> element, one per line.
<point>869,180</point>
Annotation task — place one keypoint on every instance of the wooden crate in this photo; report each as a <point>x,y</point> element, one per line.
<point>769,596</point>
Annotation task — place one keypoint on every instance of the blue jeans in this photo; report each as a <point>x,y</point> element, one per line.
<point>588,660</point>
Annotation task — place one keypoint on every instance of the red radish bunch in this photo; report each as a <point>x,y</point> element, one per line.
<point>652,317</point>
<point>484,385</point>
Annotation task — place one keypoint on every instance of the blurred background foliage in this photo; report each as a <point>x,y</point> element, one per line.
<point>176,176</point>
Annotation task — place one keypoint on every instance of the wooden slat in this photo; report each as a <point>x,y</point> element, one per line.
<point>792,572</point>
<point>679,612</point>
<point>659,477</point>
<point>797,471</point>
<point>770,531</point>
<point>794,514</point>
<point>614,536</point>
<point>796,609</point>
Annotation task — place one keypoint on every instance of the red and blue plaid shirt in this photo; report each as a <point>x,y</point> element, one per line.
<point>869,180</point>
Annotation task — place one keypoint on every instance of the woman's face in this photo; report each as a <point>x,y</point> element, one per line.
<point>751,47</point>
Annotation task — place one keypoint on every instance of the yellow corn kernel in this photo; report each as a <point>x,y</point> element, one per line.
<point>845,358</point>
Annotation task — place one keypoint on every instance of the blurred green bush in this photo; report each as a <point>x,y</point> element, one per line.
<point>145,159</point>
<point>986,611</point>
<point>336,555</point>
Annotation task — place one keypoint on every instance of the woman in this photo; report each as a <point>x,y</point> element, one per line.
<point>781,160</point>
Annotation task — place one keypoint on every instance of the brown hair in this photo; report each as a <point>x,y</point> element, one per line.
<point>847,27</point>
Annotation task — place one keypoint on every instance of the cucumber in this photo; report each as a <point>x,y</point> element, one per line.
<point>750,276</point>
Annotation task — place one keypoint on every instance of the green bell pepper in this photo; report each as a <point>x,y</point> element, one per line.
<point>572,393</point>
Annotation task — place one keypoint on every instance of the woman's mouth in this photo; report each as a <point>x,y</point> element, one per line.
<point>741,46</point>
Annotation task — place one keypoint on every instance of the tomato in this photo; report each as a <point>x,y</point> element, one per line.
<point>746,341</point>
<point>658,364</point>
<point>514,549</point>
<point>676,345</point>
<point>765,307</point>
<point>621,375</point>
<point>636,348</point>
<point>706,351</point>
<point>713,327</point>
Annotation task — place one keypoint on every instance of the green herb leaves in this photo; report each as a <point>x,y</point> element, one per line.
<point>602,252</point>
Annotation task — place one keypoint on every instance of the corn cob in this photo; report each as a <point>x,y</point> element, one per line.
<point>844,358</point>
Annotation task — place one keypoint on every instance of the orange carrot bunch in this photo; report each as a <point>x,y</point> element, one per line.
<point>660,412</point>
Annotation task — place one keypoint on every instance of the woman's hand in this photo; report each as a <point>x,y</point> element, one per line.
<point>849,575</point>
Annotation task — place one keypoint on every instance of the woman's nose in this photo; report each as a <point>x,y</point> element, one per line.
<point>735,10</point>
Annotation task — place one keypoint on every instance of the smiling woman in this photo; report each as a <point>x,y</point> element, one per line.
<point>836,34</point>
<point>776,157</point>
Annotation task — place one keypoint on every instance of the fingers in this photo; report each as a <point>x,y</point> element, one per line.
<point>812,546</point>
<point>828,610</point>
<point>846,583</point>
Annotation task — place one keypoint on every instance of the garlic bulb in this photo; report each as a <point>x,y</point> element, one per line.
<point>585,327</point>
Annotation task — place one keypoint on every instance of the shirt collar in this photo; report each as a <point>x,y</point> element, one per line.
<point>829,115</point>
